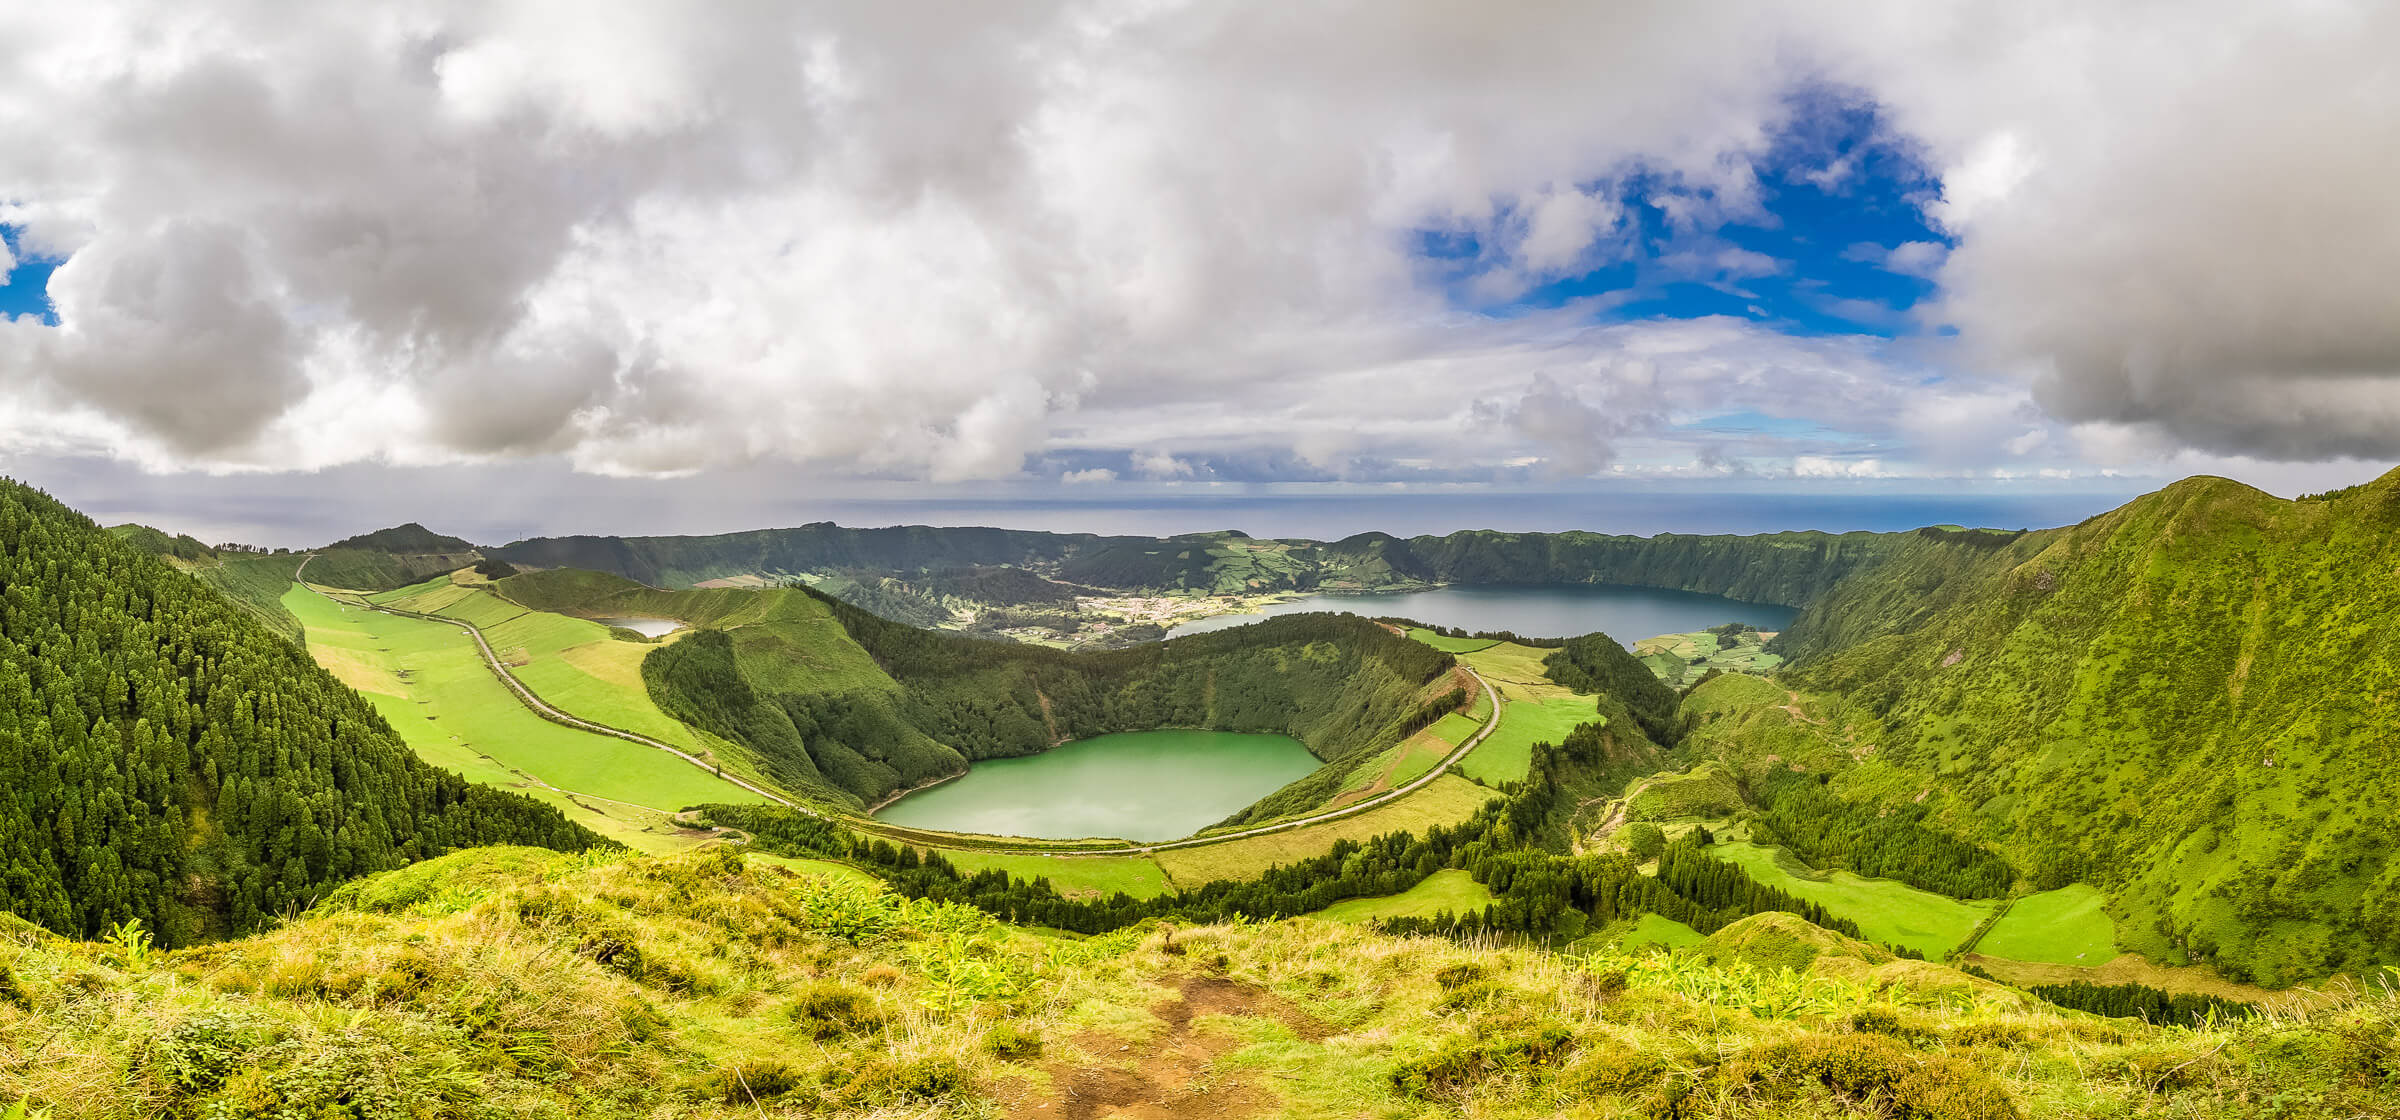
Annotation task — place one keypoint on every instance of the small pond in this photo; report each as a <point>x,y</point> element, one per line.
<point>1140,785</point>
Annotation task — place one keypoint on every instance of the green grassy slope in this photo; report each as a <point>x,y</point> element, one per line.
<point>1886,911</point>
<point>2186,701</point>
<point>2064,926</point>
<point>359,569</point>
<point>433,682</point>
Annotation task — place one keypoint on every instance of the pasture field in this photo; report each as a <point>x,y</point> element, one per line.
<point>1448,799</point>
<point>1456,728</point>
<point>824,867</point>
<point>1481,709</point>
<point>574,665</point>
<point>1508,755</point>
<point>1885,910</point>
<point>428,597</point>
<point>1650,929</point>
<point>433,686</point>
<point>1452,645</point>
<point>1449,890</point>
<point>1682,659</point>
<point>1516,671</point>
<point>1073,876</point>
<point>487,611</point>
<point>2064,926</point>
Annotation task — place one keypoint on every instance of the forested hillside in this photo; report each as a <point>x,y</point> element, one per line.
<point>2188,701</point>
<point>389,558</point>
<point>168,759</point>
<point>253,581</point>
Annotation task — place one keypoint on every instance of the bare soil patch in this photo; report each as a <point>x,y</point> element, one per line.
<point>1169,1076</point>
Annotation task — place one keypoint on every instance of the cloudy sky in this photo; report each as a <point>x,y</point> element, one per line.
<point>276,270</point>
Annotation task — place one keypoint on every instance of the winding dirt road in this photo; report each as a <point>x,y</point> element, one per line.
<point>868,824</point>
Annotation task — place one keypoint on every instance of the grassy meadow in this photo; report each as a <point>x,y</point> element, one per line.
<point>1886,911</point>
<point>1508,755</point>
<point>1451,891</point>
<point>433,687</point>
<point>2064,926</point>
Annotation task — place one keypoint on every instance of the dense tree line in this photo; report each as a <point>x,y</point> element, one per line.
<point>1339,684</point>
<point>163,757</point>
<point>2140,1001</point>
<point>1884,841</point>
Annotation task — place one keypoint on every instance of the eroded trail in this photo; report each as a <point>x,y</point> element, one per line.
<point>1172,1074</point>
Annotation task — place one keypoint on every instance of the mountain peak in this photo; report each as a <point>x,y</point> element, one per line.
<point>411,538</point>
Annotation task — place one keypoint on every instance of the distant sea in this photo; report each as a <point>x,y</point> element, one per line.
<point>494,505</point>
<point>1642,513</point>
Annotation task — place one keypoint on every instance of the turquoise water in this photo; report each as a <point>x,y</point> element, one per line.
<point>1627,614</point>
<point>1139,785</point>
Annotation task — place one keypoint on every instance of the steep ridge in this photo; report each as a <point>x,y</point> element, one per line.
<point>2188,700</point>
<point>169,760</point>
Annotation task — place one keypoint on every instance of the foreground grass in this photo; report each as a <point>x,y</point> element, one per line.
<point>517,983</point>
<point>1887,911</point>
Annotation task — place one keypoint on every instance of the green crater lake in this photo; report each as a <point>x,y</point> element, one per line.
<point>1138,785</point>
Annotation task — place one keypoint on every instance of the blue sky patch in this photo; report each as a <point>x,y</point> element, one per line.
<point>1837,193</point>
<point>27,287</point>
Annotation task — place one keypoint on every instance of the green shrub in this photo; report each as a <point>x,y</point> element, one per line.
<point>2005,1036</point>
<point>882,1082</point>
<point>1013,1042</point>
<point>1458,975</point>
<point>826,1010</point>
<point>1460,1064</point>
<point>1877,1068</point>
<point>196,1055</point>
<point>753,1080</point>
<point>1610,1066</point>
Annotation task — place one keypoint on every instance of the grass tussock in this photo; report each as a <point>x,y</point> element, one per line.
<point>708,986</point>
